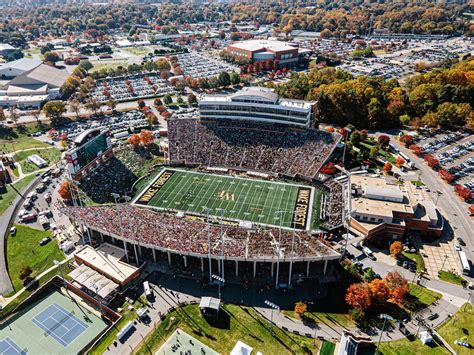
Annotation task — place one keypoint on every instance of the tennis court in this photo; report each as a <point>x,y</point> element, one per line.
<point>260,201</point>
<point>55,324</point>
<point>8,347</point>
<point>61,325</point>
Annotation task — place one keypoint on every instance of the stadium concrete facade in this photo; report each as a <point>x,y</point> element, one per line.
<point>257,104</point>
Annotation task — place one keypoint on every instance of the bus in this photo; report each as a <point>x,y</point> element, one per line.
<point>148,293</point>
<point>466,269</point>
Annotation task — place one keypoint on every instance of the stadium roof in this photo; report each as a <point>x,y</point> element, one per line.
<point>6,47</point>
<point>42,74</point>
<point>262,93</point>
<point>22,64</point>
<point>258,44</point>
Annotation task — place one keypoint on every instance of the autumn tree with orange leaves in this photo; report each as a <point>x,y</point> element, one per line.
<point>64,190</point>
<point>134,140</point>
<point>379,291</point>
<point>396,248</point>
<point>300,308</point>
<point>399,161</point>
<point>146,137</point>
<point>397,285</point>
<point>358,296</point>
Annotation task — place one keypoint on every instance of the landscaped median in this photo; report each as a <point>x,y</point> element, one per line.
<point>235,323</point>
<point>8,193</point>
<point>451,277</point>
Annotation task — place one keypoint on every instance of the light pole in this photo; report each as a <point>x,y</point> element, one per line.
<point>116,196</point>
<point>220,213</point>
<point>273,306</point>
<point>59,266</point>
<point>384,317</point>
<point>220,281</point>
<point>444,261</point>
<point>207,211</point>
<point>280,213</point>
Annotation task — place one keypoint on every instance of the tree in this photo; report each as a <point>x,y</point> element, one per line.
<point>64,190</point>
<point>300,308</point>
<point>379,291</point>
<point>223,79</point>
<point>369,275</point>
<point>399,161</point>
<point>374,151</point>
<point>179,100</point>
<point>146,137</point>
<point>86,65</point>
<point>417,150</point>
<point>396,249</point>
<point>397,285</point>
<point>134,140</point>
<point>25,275</point>
<point>54,110</point>
<point>167,100</point>
<point>141,104</point>
<point>355,138</point>
<point>383,140</point>
<point>192,99</point>
<point>162,64</point>
<point>51,57</point>
<point>3,118</point>
<point>387,167</point>
<point>446,176</point>
<point>94,105</point>
<point>358,296</point>
<point>358,316</point>
<point>112,104</point>
<point>406,139</point>
<point>14,116</point>
<point>75,107</point>
<point>431,161</point>
<point>405,119</point>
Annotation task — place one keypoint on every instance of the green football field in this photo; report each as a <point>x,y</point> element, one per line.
<point>234,198</point>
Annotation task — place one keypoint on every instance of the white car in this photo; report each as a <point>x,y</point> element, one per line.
<point>457,247</point>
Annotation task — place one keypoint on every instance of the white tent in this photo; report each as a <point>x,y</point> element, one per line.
<point>241,348</point>
<point>425,337</point>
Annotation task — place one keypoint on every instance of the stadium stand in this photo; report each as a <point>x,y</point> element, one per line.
<point>255,147</point>
<point>166,232</point>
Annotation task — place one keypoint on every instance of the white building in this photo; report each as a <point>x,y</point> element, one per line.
<point>32,87</point>
<point>17,67</point>
<point>256,104</point>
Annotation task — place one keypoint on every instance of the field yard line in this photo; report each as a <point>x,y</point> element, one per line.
<point>259,197</point>
<point>176,195</point>
<point>200,198</point>
<point>148,186</point>
<point>279,207</point>
<point>213,192</point>
<point>270,193</point>
<point>244,203</point>
<point>224,188</point>
<point>163,193</point>
<point>168,193</point>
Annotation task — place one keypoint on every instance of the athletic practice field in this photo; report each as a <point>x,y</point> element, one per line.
<point>233,198</point>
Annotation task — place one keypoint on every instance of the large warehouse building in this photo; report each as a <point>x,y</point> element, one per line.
<point>259,105</point>
<point>33,83</point>
<point>260,50</point>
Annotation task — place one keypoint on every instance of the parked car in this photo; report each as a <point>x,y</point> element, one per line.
<point>13,231</point>
<point>461,241</point>
<point>29,217</point>
<point>44,241</point>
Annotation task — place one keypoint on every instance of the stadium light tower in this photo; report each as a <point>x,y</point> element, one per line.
<point>116,197</point>
<point>220,213</point>
<point>207,211</point>
<point>220,281</point>
<point>280,214</point>
<point>273,306</point>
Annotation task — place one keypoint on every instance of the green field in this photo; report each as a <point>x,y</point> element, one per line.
<point>24,250</point>
<point>250,200</point>
<point>8,194</point>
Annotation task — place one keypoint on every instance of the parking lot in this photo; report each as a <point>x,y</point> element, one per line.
<point>198,65</point>
<point>455,152</point>
<point>131,87</point>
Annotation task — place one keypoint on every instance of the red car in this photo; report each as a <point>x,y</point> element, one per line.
<point>29,217</point>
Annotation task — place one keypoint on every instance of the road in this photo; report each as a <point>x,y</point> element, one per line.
<point>451,207</point>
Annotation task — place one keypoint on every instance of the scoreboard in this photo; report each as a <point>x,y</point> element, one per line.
<point>82,159</point>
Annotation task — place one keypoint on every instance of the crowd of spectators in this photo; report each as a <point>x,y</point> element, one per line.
<point>168,232</point>
<point>335,204</point>
<point>260,148</point>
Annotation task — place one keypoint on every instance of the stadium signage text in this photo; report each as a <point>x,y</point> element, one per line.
<point>300,215</point>
<point>154,188</point>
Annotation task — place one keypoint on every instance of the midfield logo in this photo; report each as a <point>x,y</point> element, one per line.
<point>226,196</point>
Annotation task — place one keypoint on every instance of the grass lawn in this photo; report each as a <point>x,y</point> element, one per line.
<point>425,296</point>
<point>333,319</point>
<point>127,316</point>
<point>459,327</point>
<point>453,278</point>
<point>51,155</point>
<point>407,347</point>
<point>14,170</point>
<point>417,258</point>
<point>327,348</point>
<point>417,183</point>
<point>7,195</point>
<point>24,295</point>
<point>236,323</point>
<point>386,155</point>
<point>111,64</point>
<point>24,250</point>
<point>140,50</point>
<point>19,143</point>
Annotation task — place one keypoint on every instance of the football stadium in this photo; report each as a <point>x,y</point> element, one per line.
<point>240,196</point>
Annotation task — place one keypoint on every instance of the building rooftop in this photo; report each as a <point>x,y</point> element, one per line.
<point>22,64</point>
<point>42,74</point>
<point>259,44</point>
<point>107,259</point>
